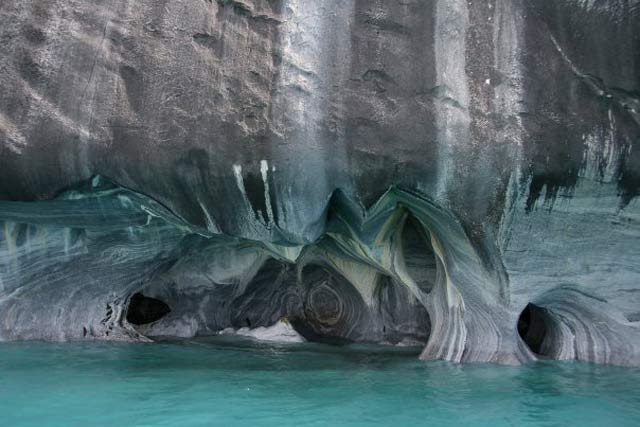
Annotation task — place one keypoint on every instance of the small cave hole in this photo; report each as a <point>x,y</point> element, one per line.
<point>532,327</point>
<point>143,310</point>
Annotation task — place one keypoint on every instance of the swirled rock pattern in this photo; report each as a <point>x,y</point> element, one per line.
<point>461,175</point>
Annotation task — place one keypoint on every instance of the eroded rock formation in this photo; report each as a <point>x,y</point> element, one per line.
<point>456,174</point>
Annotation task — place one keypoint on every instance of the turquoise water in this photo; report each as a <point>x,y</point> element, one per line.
<point>230,382</point>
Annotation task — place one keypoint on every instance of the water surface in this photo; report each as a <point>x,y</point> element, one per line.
<point>226,382</point>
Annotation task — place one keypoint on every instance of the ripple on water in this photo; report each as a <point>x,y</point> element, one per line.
<point>229,381</point>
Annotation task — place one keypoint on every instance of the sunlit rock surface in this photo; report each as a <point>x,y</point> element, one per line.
<point>461,174</point>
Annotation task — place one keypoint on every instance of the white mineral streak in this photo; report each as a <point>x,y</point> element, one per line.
<point>14,137</point>
<point>264,171</point>
<point>452,88</point>
<point>237,172</point>
<point>211,224</point>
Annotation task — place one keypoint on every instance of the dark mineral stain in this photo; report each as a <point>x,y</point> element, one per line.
<point>580,99</point>
<point>379,78</point>
<point>628,174</point>
<point>254,186</point>
<point>30,70</point>
<point>34,35</point>
<point>633,317</point>
<point>385,24</point>
<point>133,83</point>
<point>76,235</point>
<point>273,194</point>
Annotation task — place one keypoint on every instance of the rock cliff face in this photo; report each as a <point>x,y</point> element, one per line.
<point>460,174</point>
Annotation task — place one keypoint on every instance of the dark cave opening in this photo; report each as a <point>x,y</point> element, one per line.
<point>143,310</point>
<point>533,327</point>
<point>332,310</point>
<point>404,318</point>
<point>419,259</point>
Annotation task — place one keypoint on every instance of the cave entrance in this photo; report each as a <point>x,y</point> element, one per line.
<point>419,259</point>
<point>533,325</point>
<point>332,310</point>
<point>143,310</point>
